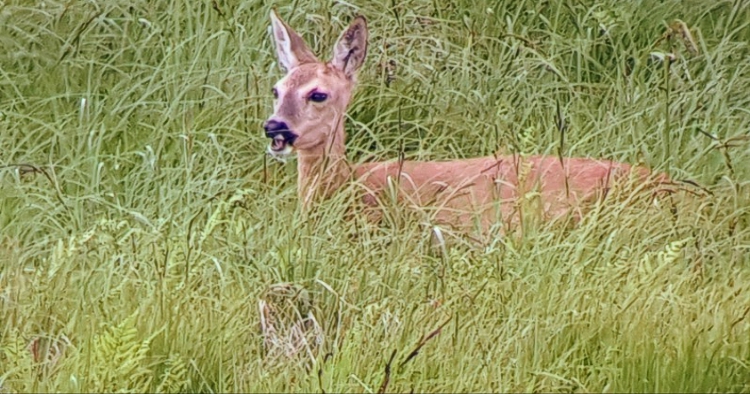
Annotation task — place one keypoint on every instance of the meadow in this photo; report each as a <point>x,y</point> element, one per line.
<point>147,243</point>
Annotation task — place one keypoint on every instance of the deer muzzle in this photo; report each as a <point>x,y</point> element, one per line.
<point>282,139</point>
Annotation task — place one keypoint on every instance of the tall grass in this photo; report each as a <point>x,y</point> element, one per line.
<point>147,244</point>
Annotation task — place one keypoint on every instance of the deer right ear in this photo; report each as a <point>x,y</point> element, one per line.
<point>290,47</point>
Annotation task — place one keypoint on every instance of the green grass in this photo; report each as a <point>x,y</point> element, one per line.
<point>141,229</point>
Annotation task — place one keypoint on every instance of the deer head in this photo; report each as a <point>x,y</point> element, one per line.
<point>312,98</point>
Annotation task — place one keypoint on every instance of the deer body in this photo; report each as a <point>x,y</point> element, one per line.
<point>308,118</point>
<point>489,189</point>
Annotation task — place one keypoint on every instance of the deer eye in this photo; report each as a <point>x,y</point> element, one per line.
<point>318,97</point>
<point>275,93</point>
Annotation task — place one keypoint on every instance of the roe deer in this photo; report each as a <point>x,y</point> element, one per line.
<point>311,101</point>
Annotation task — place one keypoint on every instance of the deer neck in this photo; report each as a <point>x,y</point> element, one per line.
<point>324,169</point>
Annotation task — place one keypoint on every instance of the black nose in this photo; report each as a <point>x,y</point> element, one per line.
<point>274,128</point>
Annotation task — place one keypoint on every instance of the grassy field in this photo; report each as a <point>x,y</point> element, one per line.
<point>147,243</point>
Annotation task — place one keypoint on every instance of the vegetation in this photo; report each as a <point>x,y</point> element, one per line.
<point>147,243</point>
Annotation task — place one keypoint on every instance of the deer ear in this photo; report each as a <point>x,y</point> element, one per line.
<point>290,47</point>
<point>351,48</point>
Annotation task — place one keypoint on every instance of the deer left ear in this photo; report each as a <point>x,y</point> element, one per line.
<point>351,48</point>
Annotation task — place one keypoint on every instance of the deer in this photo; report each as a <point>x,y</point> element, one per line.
<point>310,103</point>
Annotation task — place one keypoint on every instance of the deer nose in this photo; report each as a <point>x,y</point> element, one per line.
<point>274,128</point>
